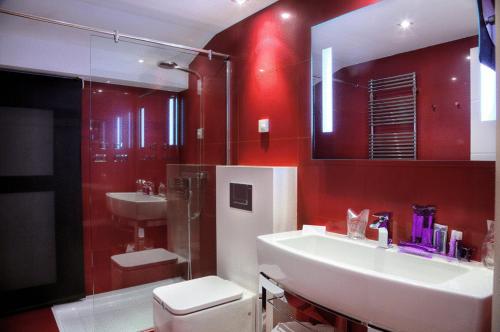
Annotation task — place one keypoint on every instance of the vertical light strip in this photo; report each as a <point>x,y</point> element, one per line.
<point>118,132</point>
<point>142,119</point>
<point>488,95</point>
<point>327,90</point>
<point>181,125</point>
<point>171,122</point>
<point>176,121</point>
<point>129,130</point>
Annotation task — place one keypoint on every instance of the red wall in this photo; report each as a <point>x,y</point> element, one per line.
<point>443,132</point>
<point>103,236</point>
<point>463,191</point>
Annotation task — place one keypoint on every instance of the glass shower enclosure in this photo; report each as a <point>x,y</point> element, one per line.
<point>152,119</point>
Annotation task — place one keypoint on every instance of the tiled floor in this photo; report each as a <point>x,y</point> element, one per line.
<point>124,310</point>
<point>40,320</point>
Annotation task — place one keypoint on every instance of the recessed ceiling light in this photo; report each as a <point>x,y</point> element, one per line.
<point>100,90</point>
<point>140,60</point>
<point>286,15</point>
<point>239,2</point>
<point>405,24</point>
<point>467,57</point>
<point>453,78</point>
<point>261,70</point>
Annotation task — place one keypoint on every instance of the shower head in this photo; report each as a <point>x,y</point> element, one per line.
<point>173,65</point>
<point>168,65</point>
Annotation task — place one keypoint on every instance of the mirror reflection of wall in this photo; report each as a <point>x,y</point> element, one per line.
<point>453,116</point>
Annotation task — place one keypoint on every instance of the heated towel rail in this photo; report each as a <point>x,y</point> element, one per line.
<point>393,117</point>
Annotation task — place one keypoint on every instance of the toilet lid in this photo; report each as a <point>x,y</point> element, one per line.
<point>193,295</point>
<point>144,257</point>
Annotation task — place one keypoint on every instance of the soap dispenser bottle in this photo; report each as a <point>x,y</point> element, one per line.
<point>455,244</point>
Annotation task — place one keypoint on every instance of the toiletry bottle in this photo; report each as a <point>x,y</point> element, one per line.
<point>427,227</point>
<point>418,219</point>
<point>439,238</point>
<point>458,244</point>
<point>455,243</point>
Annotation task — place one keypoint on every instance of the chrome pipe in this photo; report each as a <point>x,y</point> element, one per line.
<point>393,77</point>
<point>391,105</point>
<point>392,88</point>
<point>391,100</point>
<point>393,81</point>
<point>116,35</point>
<point>392,111</point>
<point>393,145</point>
<point>389,134</point>
<point>228,112</point>
<point>392,123</point>
<point>392,116</point>
<point>392,139</point>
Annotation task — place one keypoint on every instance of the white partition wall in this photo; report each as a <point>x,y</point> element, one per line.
<point>273,209</point>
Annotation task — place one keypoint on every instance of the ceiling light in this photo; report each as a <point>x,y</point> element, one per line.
<point>99,90</point>
<point>239,2</point>
<point>467,57</point>
<point>108,81</point>
<point>405,24</point>
<point>286,15</point>
<point>453,78</point>
<point>261,70</point>
<point>140,60</point>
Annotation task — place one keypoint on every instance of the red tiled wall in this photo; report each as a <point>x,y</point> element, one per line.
<point>443,131</point>
<point>463,191</point>
<point>103,236</point>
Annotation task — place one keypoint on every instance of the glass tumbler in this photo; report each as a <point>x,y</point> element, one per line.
<point>356,223</point>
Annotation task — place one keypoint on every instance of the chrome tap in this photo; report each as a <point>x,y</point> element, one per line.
<point>382,224</point>
<point>148,188</point>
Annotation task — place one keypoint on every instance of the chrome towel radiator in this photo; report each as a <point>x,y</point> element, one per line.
<point>393,117</point>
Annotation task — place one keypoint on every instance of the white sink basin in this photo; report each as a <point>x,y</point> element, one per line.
<point>382,287</point>
<point>137,206</point>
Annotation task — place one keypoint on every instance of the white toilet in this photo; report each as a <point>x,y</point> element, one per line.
<point>209,304</point>
<point>227,303</point>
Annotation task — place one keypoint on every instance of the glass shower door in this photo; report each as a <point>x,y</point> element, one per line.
<point>146,140</point>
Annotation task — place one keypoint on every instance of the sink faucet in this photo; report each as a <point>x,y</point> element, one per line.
<point>382,224</point>
<point>148,188</point>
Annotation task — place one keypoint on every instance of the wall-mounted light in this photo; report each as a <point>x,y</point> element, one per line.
<point>488,93</point>
<point>142,134</point>
<point>327,90</point>
<point>286,15</point>
<point>119,141</point>
<point>173,121</point>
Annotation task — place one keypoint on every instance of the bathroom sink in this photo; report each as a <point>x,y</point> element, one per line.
<point>383,287</point>
<point>137,206</point>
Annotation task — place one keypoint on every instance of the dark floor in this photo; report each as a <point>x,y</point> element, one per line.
<point>40,320</point>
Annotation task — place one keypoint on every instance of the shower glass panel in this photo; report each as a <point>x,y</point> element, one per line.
<point>152,135</point>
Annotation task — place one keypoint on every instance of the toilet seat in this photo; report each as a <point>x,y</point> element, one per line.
<point>198,294</point>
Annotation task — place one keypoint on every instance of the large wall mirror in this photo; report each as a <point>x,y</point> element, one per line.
<point>401,79</point>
